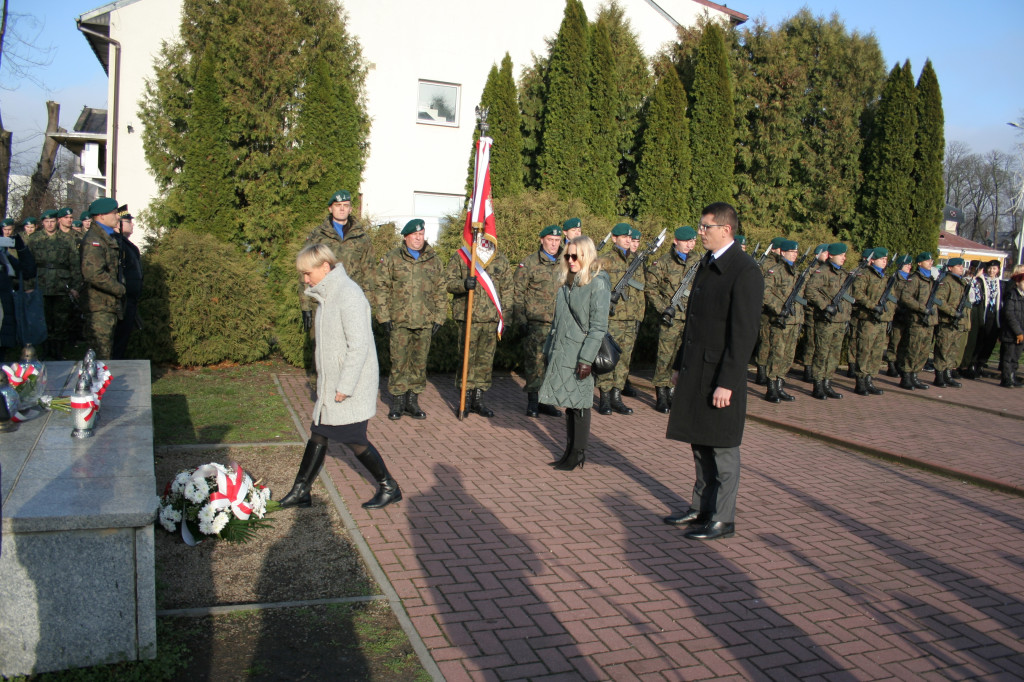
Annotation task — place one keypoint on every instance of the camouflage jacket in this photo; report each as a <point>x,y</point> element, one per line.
<point>633,304</point>
<point>867,291</point>
<point>951,289</point>
<point>663,277</point>
<point>57,262</point>
<point>770,261</point>
<point>355,253</point>
<point>778,284</point>
<point>914,296</point>
<point>536,283</point>
<point>409,290</point>
<point>483,308</point>
<point>902,315</point>
<point>822,286</point>
<point>101,270</point>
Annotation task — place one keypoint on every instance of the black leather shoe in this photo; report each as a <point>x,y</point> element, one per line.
<point>689,517</point>
<point>662,403</point>
<point>772,394</point>
<point>781,390</point>
<point>872,389</point>
<point>940,379</point>
<point>712,531</point>
<point>532,405</point>
<point>761,379</point>
<point>616,402</point>
<point>862,387</point>
<point>604,404</point>
<point>412,406</point>
<point>397,407</point>
<point>950,380</point>
<point>906,383</point>
<point>829,391</point>
<point>918,384</point>
<point>819,390</point>
<point>891,370</point>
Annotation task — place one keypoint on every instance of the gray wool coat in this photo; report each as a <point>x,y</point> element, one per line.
<point>568,343</point>
<point>346,359</point>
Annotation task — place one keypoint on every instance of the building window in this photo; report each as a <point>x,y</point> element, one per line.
<point>438,103</point>
<point>437,210</point>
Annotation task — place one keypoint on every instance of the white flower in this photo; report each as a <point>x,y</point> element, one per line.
<point>168,518</point>
<point>179,482</point>
<point>265,494</point>
<point>219,522</point>
<point>206,528</point>
<point>207,513</point>
<point>196,491</point>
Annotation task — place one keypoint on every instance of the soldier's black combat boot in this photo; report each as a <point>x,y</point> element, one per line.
<point>387,490</point>
<point>851,370</point>
<point>412,406</point>
<point>549,410</point>
<point>781,390</point>
<point>872,389</point>
<point>629,391</point>
<point>661,403</point>
<point>615,400</point>
<point>772,394</point>
<point>312,460</point>
<point>762,377</point>
<point>862,386</point>
<point>478,404</point>
<point>891,370</point>
<point>905,381</point>
<point>532,405</point>
<point>604,404</point>
<point>917,382</point>
<point>829,391</point>
<point>808,376</point>
<point>950,381</point>
<point>819,390</point>
<point>940,378</point>
<point>397,407</point>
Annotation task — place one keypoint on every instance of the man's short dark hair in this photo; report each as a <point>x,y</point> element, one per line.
<point>724,214</point>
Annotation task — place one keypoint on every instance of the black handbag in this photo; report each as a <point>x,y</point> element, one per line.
<point>607,355</point>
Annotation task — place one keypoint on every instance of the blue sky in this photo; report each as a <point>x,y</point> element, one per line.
<point>976,50</point>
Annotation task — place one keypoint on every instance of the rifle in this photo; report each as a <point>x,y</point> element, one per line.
<point>887,296</point>
<point>682,291</point>
<point>794,298</point>
<point>760,261</point>
<point>619,290</point>
<point>963,300</point>
<point>842,294</point>
<point>929,305</point>
<point>604,242</point>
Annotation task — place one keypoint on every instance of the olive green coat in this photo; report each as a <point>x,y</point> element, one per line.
<point>483,307</point>
<point>867,291</point>
<point>914,296</point>
<point>57,264</point>
<point>101,271</point>
<point>778,283</point>
<point>355,253</point>
<point>822,286</point>
<point>633,304</point>
<point>536,281</point>
<point>663,278</point>
<point>409,290</point>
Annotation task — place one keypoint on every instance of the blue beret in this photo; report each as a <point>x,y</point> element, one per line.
<point>836,249</point>
<point>685,233</point>
<point>340,195</point>
<point>414,225</point>
<point>621,229</point>
<point>550,230</point>
<point>101,206</point>
<point>571,223</point>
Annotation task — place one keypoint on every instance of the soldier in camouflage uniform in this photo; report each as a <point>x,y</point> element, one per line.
<point>86,219</point>
<point>829,320</point>
<point>807,358</point>
<point>853,329</point>
<point>896,351</point>
<point>350,244</point>
<point>536,283</point>
<point>571,229</point>
<point>411,307</point>
<point>104,295</point>
<point>663,277</point>
<point>59,277</point>
<point>779,281</point>
<point>29,225</point>
<point>873,317</point>
<point>764,330</point>
<point>921,328</point>
<point>484,329</point>
<point>951,331</point>
<point>622,325</point>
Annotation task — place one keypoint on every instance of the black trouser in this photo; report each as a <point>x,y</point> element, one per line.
<point>1009,356</point>
<point>988,334</point>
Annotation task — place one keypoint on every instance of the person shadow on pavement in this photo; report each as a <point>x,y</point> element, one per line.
<point>489,587</point>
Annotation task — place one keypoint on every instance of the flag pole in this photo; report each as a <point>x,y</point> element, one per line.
<point>478,228</point>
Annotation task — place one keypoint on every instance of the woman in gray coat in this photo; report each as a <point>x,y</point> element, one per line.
<point>347,376</point>
<point>579,326</point>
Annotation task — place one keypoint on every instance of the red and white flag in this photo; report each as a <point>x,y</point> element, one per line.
<point>481,212</point>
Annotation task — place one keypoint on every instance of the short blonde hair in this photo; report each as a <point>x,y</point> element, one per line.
<point>313,256</point>
<point>586,253</point>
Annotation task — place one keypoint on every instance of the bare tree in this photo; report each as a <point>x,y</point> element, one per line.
<point>982,187</point>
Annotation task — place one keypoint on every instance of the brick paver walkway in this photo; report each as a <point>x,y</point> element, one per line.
<point>843,566</point>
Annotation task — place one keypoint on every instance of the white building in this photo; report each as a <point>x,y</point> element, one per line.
<point>420,55</point>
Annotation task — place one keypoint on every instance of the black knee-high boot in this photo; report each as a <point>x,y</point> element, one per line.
<point>570,435</point>
<point>388,490</point>
<point>312,461</point>
<point>578,454</point>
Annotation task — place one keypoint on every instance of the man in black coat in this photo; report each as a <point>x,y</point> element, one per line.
<point>132,267</point>
<point>710,404</point>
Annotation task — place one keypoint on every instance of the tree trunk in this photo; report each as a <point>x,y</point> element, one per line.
<point>5,135</point>
<point>44,170</point>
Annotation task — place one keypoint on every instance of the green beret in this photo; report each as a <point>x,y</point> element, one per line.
<point>775,242</point>
<point>621,229</point>
<point>953,262</point>
<point>551,230</point>
<point>30,220</point>
<point>836,249</point>
<point>879,252</point>
<point>85,216</point>
<point>101,206</point>
<point>6,222</point>
<point>76,223</point>
<point>340,195</point>
<point>571,224</point>
<point>634,233</point>
<point>787,245</point>
<point>922,257</point>
<point>868,252</point>
<point>819,248</point>
<point>685,233</point>
<point>414,225</point>
<point>903,260</point>
<point>64,212</point>
<point>46,215</point>
<point>740,239</point>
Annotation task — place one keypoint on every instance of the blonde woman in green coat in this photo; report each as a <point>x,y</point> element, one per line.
<point>577,330</point>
